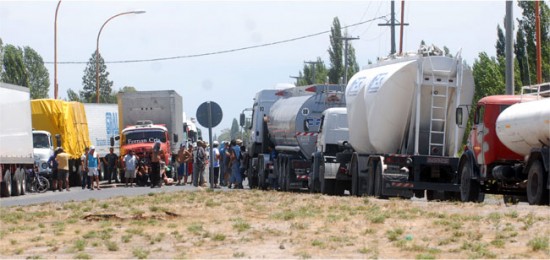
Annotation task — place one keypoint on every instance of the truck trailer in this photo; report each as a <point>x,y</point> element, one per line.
<point>102,125</point>
<point>16,139</point>
<point>149,116</point>
<point>403,140</point>
<point>288,121</point>
<point>67,121</point>
<point>508,148</point>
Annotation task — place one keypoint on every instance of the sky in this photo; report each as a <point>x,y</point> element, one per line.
<point>185,28</point>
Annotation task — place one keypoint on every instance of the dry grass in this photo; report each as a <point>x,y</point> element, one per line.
<point>257,224</point>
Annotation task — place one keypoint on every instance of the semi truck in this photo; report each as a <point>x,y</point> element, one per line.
<point>102,125</point>
<point>508,147</point>
<point>403,140</point>
<point>327,175</point>
<point>16,139</point>
<point>66,121</point>
<point>43,144</point>
<point>149,116</point>
<point>288,121</point>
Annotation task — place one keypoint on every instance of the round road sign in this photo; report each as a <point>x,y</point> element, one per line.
<point>215,112</point>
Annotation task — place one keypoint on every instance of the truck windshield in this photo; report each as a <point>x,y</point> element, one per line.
<point>40,140</point>
<point>136,137</point>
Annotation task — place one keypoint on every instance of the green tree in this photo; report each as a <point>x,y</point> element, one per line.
<point>528,25</point>
<point>235,130</point>
<point>488,77</point>
<point>128,89</point>
<point>14,70</point>
<point>353,66</point>
<point>1,58</point>
<point>501,43</point>
<point>335,51</point>
<point>320,73</point>
<point>225,135</point>
<point>521,56</point>
<point>88,93</point>
<point>73,96</point>
<point>39,78</point>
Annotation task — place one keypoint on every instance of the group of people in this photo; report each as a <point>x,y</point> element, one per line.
<point>192,160</point>
<point>227,162</point>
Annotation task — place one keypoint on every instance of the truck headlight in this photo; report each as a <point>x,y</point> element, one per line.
<point>44,166</point>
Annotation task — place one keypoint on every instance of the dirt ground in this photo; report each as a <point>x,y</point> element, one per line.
<point>267,224</point>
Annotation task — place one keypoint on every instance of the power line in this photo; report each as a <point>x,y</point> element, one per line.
<point>224,51</point>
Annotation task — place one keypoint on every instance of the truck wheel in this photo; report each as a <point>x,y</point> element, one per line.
<point>355,186</point>
<point>23,181</point>
<point>378,182</point>
<point>16,184</point>
<point>326,186</point>
<point>314,179</point>
<point>287,174</point>
<point>469,188</point>
<point>261,173</point>
<point>536,192</point>
<point>370,179</point>
<point>6,184</point>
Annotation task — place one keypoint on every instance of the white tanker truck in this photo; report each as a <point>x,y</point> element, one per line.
<point>288,121</point>
<point>508,150</point>
<point>403,139</point>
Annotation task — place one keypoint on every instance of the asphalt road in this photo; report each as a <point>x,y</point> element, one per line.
<point>79,194</point>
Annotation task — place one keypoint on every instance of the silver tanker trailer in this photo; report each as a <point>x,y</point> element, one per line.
<point>403,139</point>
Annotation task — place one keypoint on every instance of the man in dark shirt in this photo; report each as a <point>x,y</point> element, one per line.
<point>110,161</point>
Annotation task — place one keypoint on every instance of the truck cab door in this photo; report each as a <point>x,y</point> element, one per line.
<point>477,140</point>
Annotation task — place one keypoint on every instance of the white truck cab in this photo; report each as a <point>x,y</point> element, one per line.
<point>43,149</point>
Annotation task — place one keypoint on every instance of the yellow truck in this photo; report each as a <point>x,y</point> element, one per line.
<point>67,121</point>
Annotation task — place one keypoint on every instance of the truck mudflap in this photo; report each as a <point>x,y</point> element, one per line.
<point>396,185</point>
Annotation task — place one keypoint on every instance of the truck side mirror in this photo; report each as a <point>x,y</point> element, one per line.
<point>58,140</point>
<point>175,138</point>
<point>117,137</point>
<point>241,120</point>
<point>460,117</point>
<point>306,126</point>
<point>112,141</point>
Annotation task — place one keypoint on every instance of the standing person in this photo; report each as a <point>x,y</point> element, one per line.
<point>234,156</point>
<point>189,162</point>
<point>155,165</point>
<point>53,165</point>
<point>110,162</point>
<point>84,169</point>
<point>244,163</point>
<point>222,164</point>
<point>62,159</point>
<point>206,173</point>
<point>199,161</point>
<point>216,163</point>
<point>130,163</point>
<point>182,159</point>
<point>93,164</point>
<point>227,164</point>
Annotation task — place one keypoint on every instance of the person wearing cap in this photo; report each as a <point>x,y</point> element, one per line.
<point>93,163</point>
<point>62,159</point>
<point>216,162</point>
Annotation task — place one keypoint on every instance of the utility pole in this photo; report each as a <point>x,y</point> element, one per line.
<point>346,39</point>
<point>509,26</point>
<point>296,78</point>
<point>393,24</point>
<point>313,63</point>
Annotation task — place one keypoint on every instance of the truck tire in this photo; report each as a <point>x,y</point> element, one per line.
<point>23,181</point>
<point>469,188</point>
<point>16,184</point>
<point>370,178</point>
<point>536,191</point>
<point>6,184</point>
<point>314,184</point>
<point>326,186</point>
<point>378,182</point>
<point>355,191</point>
<point>261,173</point>
<point>287,174</point>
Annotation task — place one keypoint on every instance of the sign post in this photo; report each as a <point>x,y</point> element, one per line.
<point>209,114</point>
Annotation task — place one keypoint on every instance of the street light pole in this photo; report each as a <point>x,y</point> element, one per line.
<point>97,50</point>
<point>55,51</point>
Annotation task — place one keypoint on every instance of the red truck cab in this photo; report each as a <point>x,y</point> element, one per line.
<point>141,137</point>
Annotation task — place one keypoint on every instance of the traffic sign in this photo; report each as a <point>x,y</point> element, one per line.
<point>209,108</point>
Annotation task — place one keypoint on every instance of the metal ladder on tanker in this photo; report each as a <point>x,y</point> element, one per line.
<point>439,107</point>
